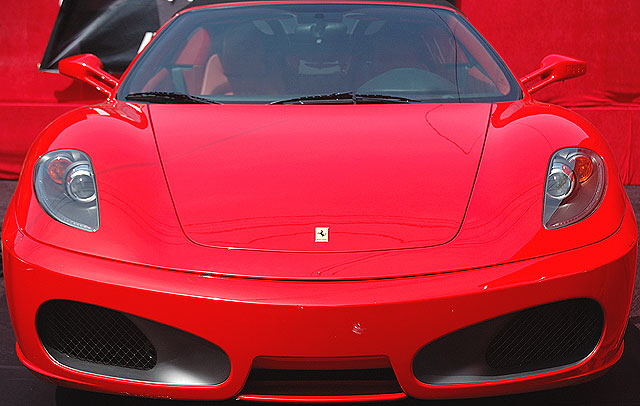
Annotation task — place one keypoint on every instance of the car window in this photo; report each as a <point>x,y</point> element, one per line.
<point>302,52</point>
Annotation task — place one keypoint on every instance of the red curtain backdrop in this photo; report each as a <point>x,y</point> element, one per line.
<point>604,33</point>
<point>29,99</point>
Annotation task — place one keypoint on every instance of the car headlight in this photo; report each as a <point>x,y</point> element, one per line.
<point>574,186</point>
<point>66,189</point>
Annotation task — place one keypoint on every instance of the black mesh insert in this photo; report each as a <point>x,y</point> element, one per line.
<point>94,334</point>
<point>557,333</point>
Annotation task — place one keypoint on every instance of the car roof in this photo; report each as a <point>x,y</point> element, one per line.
<point>442,3</point>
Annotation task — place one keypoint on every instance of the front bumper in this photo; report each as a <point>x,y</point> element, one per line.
<point>347,325</point>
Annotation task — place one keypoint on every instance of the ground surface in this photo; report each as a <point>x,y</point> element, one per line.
<point>619,386</point>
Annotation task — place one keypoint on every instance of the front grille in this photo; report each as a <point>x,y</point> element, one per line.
<point>94,334</point>
<point>349,382</point>
<point>557,333</point>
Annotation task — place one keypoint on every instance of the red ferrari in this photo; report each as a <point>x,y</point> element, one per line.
<point>319,201</point>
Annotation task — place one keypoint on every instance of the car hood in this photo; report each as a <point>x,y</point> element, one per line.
<point>328,178</point>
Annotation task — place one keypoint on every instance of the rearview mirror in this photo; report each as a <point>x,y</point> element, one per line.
<point>553,68</point>
<point>88,68</point>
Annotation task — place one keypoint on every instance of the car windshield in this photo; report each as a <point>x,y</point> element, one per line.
<point>318,53</point>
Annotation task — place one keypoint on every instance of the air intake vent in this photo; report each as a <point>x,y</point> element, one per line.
<point>94,334</point>
<point>541,338</point>
<point>557,333</point>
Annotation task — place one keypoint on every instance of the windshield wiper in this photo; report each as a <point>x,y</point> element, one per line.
<point>383,98</point>
<point>346,97</point>
<point>168,97</point>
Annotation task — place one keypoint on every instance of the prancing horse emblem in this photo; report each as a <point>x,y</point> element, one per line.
<point>322,234</point>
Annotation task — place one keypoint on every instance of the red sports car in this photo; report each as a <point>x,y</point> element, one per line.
<point>319,201</point>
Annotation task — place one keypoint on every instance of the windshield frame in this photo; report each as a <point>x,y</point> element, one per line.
<point>514,93</point>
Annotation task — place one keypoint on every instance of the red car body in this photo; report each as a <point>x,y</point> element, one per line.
<point>208,243</point>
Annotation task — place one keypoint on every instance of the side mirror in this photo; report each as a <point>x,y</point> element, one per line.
<point>553,68</point>
<point>88,68</point>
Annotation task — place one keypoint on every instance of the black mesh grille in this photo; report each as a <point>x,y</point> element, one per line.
<point>94,334</point>
<point>557,333</point>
